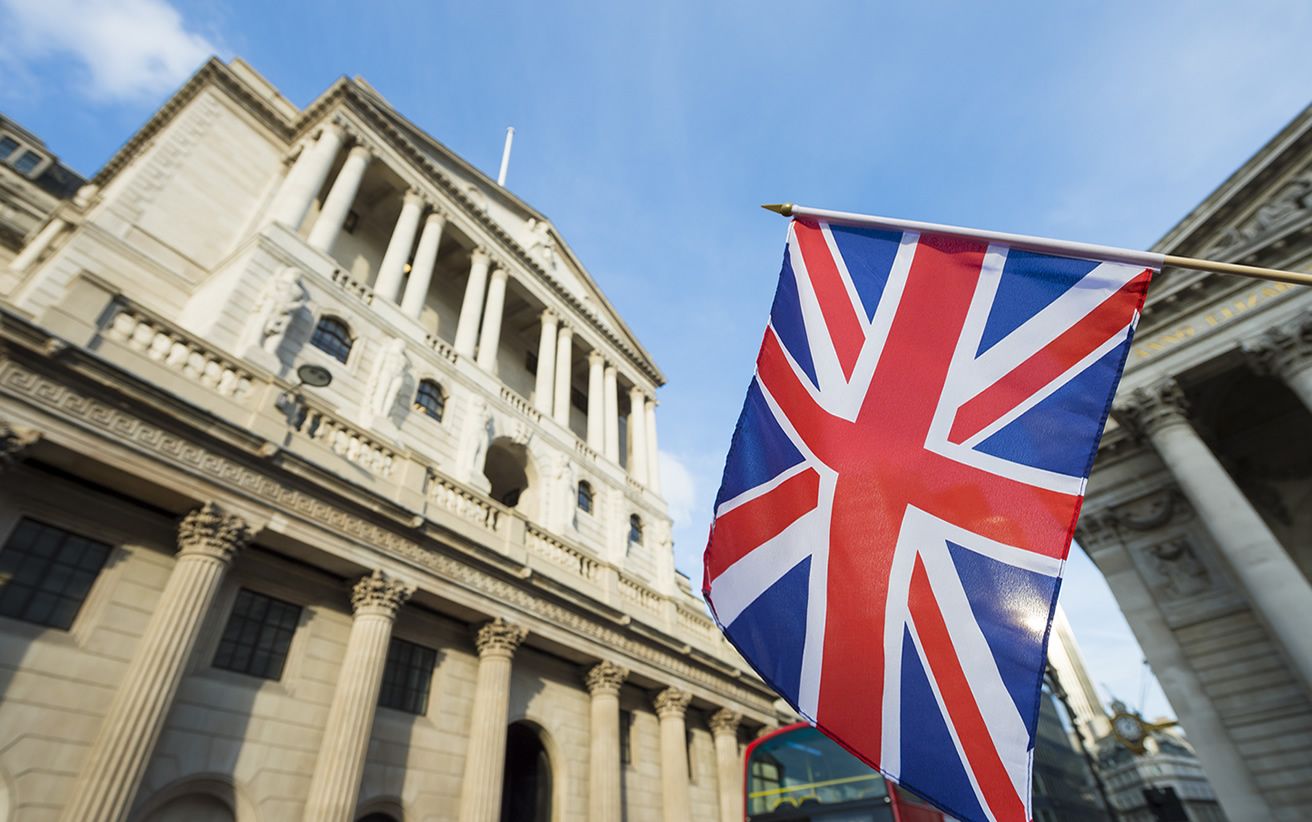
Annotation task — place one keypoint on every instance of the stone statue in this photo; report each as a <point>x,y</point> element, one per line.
<point>543,245</point>
<point>479,431</point>
<point>282,296</point>
<point>388,378</point>
<point>1184,575</point>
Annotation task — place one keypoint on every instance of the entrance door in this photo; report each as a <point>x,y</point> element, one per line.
<point>526,789</point>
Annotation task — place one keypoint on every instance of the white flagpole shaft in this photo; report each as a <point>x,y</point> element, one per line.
<point>1045,245</point>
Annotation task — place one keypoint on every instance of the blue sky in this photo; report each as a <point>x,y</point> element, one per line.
<point>650,134</point>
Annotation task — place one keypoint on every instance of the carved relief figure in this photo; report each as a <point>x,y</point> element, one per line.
<point>1181,571</point>
<point>1295,196</point>
<point>282,296</point>
<point>543,245</point>
<point>479,429</point>
<point>387,380</point>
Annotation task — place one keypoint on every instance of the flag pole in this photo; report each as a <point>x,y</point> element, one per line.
<point>1043,244</point>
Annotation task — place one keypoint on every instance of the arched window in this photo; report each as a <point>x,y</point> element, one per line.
<point>635,530</point>
<point>430,399</point>
<point>333,336</point>
<point>585,496</point>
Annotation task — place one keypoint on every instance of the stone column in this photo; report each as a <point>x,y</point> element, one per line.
<point>339,200</point>
<point>610,383</point>
<point>1275,586</point>
<point>390,271</point>
<point>335,787</point>
<point>637,435</point>
<point>421,274</point>
<point>564,375</point>
<point>489,338</point>
<point>544,383</point>
<point>42,241</point>
<point>604,680</point>
<point>596,410</point>
<point>728,765</point>
<point>485,757</point>
<point>306,177</point>
<point>653,451</point>
<point>1286,352</point>
<point>472,306</point>
<point>208,540</point>
<point>671,704</point>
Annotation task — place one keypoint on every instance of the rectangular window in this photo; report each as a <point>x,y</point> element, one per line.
<point>626,737</point>
<point>7,146</point>
<point>47,572</point>
<point>406,677</point>
<point>28,161</point>
<point>258,634</point>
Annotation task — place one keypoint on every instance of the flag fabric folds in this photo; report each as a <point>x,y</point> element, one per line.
<point>901,492</point>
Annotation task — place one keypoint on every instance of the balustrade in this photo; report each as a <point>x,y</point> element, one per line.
<point>175,350</point>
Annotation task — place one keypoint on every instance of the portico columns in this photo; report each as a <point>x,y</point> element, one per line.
<point>339,200</point>
<point>306,177</point>
<point>472,305</point>
<point>604,680</point>
<point>1286,352</point>
<point>610,382</point>
<point>544,383</point>
<point>208,540</point>
<point>671,704</point>
<point>335,787</point>
<point>638,434</point>
<point>421,274</point>
<point>388,282</point>
<point>653,452</point>
<point>1276,587</point>
<point>596,413</point>
<point>490,336</point>
<point>564,375</point>
<point>728,770</point>
<point>485,758</point>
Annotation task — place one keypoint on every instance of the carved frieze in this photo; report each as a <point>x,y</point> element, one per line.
<point>1180,573</point>
<point>1293,199</point>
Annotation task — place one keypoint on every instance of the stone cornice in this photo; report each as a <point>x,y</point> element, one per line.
<point>104,400</point>
<point>209,532</point>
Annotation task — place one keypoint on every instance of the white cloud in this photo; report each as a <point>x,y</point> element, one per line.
<point>679,489</point>
<point>127,50</point>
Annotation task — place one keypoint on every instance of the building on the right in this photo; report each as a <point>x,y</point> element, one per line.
<point>1199,509</point>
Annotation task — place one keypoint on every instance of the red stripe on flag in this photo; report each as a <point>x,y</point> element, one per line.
<point>1051,361</point>
<point>963,712</point>
<point>846,328</point>
<point>759,520</point>
<point>821,432</point>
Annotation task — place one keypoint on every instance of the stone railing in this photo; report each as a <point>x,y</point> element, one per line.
<point>520,404</point>
<point>466,505</point>
<point>698,624</point>
<point>346,441</point>
<point>585,452</point>
<point>633,484</point>
<point>443,350</point>
<point>542,544</point>
<point>351,286</point>
<point>169,346</point>
<point>639,594</point>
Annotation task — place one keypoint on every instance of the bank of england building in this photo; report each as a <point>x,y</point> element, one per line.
<point>1199,509</point>
<point>330,490</point>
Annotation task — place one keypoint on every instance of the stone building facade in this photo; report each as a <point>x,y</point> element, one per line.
<point>1198,507</point>
<point>438,586</point>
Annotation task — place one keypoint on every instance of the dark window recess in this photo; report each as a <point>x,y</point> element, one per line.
<point>47,572</point>
<point>26,162</point>
<point>531,362</point>
<point>585,497</point>
<point>7,146</point>
<point>430,400</point>
<point>352,220</point>
<point>332,337</point>
<point>626,737</point>
<point>635,529</point>
<point>258,635</point>
<point>406,677</point>
<point>578,399</point>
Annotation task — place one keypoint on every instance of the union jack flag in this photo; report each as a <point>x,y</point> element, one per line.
<point>902,488</point>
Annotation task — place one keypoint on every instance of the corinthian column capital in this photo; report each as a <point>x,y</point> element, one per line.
<point>605,678</point>
<point>1147,410</point>
<point>379,593</point>
<point>208,531</point>
<point>672,702</point>
<point>13,442</point>
<point>499,638</point>
<point>725,721</point>
<point>1283,350</point>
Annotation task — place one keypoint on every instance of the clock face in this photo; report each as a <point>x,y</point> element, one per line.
<point>1128,727</point>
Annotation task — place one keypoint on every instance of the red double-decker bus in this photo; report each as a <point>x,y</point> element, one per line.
<point>797,774</point>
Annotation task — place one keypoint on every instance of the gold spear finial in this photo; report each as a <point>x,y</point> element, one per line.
<point>785,209</point>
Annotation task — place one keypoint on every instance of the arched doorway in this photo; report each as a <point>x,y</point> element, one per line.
<point>510,473</point>
<point>526,784</point>
<point>196,807</point>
